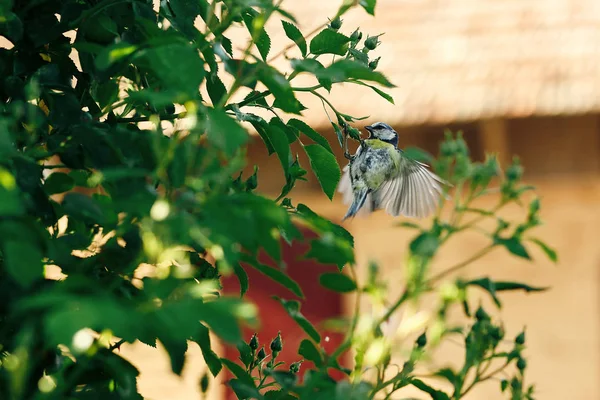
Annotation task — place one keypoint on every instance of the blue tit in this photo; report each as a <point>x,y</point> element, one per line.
<point>380,176</point>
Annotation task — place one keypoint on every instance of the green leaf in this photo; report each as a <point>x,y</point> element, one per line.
<point>492,287</point>
<point>434,393</point>
<point>238,371</point>
<point>342,70</point>
<point>329,41</point>
<point>215,88</point>
<point>242,276</point>
<point>294,34</point>
<point>244,390</point>
<point>276,275</point>
<point>23,261</point>
<point>245,353</point>
<point>309,351</point>
<point>425,245</point>
<point>280,88</point>
<point>310,132</point>
<point>307,65</point>
<point>10,202</point>
<point>210,357</point>
<point>325,166</point>
<point>113,54</point>
<point>280,143</point>
<point>514,246</point>
<point>58,182</point>
<point>292,307</point>
<point>368,5</point>
<point>329,250</point>
<point>224,132</point>
<point>260,36</point>
<point>337,282</point>
<point>550,252</point>
<point>376,90</point>
<point>177,66</point>
<point>80,206</point>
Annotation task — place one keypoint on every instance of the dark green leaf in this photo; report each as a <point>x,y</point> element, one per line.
<point>425,245</point>
<point>224,132</point>
<point>310,132</point>
<point>277,275</point>
<point>239,372</point>
<point>58,182</point>
<point>210,357</point>
<point>10,202</point>
<point>261,39</point>
<point>115,53</point>
<point>244,390</point>
<point>242,276</point>
<point>514,246</point>
<point>307,65</point>
<point>309,351</point>
<point>331,250</point>
<point>294,34</point>
<point>178,66</point>
<point>434,393</point>
<point>325,167</point>
<point>292,307</point>
<point>343,70</point>
<point>80,206</point>
<point>368,5</point>
<point>280,143</point>
<point>329,41</point>
<point>550,252</point>
<point>215,88</point>
<point>245,353</point>
<point>337,282</point>
<point>503,286</point>
<point>23,261</point>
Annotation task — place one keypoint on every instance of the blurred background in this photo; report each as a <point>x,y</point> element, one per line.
<point>518,77</point>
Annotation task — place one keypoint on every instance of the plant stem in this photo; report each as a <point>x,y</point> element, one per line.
<point>461,265</point>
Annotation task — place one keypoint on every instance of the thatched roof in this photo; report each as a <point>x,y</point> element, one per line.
<point>458,60</point>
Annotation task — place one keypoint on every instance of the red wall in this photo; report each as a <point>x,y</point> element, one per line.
<point>319,304</point>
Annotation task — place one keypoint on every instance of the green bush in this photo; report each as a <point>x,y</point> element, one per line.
<point>134,195</point>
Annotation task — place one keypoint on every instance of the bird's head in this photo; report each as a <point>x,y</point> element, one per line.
<point>383,132</point>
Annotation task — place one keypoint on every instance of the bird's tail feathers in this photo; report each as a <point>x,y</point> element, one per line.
<point>359,200</point>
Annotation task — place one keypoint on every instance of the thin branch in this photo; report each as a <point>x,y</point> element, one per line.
<point>461,265</point>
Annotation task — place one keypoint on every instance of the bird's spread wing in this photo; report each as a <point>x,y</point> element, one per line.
<point>413,192</point>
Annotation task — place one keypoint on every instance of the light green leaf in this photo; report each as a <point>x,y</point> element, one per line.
<point>294,34</point>
<point>260,36</point>
<point>223,132</point>
<point>337,282</point>
<point>329,41</point>
<point>550,252</point>
<point>325,166</point>
<point>113,54</point>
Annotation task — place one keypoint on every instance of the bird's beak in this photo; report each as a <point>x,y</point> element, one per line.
<point>369,128</point>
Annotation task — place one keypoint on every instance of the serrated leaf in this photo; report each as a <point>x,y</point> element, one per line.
<point>514,246</point>
<point>292,307</point>
<point>325,167</point>
<point>309,351</point>
<point>238,371</point>
<point>215,88</point>
<point>260,36</point>
<point>310,132</point>
<point>223,132</point>
<point>245,351</point>
<point>342,70</point>
<point>550,252</point>
<point>329,41</point>
<point>210,357</point>
<point>295,35</point>
<point>337,282</point>
<point>276,275</point>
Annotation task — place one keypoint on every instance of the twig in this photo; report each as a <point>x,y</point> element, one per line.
<point>461,265</point>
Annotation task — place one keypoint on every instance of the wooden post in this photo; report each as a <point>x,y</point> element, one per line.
<point>494,139</point>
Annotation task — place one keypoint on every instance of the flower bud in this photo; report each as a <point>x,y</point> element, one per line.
<point>520,339</point>
<point>422,340</point>
<point>295,367</point>
<point>521,364</point>
<point>481,315</point>
<point>253,342</point>
<point>372,42</point>
<point>276,344</point>
<point>356,36</point>
<point>336,24</point>
<point>374,63</point>
<point>262,354</point>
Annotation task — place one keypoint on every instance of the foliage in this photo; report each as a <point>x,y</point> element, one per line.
<point>132,160</point>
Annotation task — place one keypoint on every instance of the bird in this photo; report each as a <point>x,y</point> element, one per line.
<point>380,176</point>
